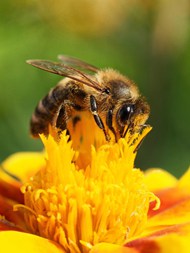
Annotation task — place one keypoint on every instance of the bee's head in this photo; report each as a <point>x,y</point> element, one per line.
<point>132,115</point>
<point>125,108</point>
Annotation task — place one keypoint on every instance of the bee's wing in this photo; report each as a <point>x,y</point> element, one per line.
<point>76,63</point>
<point>64,70</point>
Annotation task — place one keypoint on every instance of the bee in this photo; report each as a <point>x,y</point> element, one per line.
<point>112,99</point>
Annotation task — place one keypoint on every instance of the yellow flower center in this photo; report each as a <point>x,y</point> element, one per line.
<point>78,207</point>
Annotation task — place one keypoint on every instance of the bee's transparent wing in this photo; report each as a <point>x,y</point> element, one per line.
<point>77,63</point>
<point>64,70</point>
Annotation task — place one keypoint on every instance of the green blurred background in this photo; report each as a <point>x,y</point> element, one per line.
<point>149,41</point>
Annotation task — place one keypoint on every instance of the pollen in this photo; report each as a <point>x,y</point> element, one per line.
<point>79,207</point>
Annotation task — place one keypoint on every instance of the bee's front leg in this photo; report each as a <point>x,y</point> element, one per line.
<point>98,120</point>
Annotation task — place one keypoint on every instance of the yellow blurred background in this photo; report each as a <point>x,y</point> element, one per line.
<point>149,41</point>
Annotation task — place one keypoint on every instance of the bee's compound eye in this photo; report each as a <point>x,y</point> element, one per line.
<point>125,113</point>
<point>107,90</point>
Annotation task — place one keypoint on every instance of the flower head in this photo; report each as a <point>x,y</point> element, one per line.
<point>78,207</point>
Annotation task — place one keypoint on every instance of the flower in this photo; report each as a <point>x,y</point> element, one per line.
<point>86,196</point>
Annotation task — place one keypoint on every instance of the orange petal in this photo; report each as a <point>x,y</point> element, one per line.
<point>18,242</point>
<point>176,213</point>
<point>22,165</point>
<point>111,248</point>
<point>11,190</point>
<point>6,210</point>
<point>172,196</point>
<point>157,179</point>
<point>6,225</point>
<point>172,239</point>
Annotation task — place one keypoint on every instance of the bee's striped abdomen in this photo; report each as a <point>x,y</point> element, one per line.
<point>46,110</point>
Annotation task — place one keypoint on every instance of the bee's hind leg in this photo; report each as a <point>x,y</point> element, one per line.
<point>60,120</point>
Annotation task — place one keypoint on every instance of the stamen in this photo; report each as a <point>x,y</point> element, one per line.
<point>78,207</point>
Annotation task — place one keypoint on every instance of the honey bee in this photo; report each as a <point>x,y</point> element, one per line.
<point>112,99</point>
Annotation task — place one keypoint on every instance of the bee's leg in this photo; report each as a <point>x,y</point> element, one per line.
<point>129,127</point>
<point>60,118</point>
<point>98,120</point>
<point>109,122</point>
<point>140,130</point>
<point>64,112</point>
<point>61,122</point>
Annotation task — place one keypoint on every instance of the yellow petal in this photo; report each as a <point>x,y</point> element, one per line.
<point>184,181</point>
<point>21,165</point>
<point>173,243</point>
<point>157,179</point>
<point>18,242</point>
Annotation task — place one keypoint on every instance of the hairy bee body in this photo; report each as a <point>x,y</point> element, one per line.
<point>112,99</point>
<point>56,107</point>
